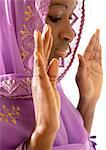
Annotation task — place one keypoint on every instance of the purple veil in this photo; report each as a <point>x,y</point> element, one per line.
<point>18,20</point>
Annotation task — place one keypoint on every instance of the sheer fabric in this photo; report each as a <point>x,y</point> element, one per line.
<point>18,20</point>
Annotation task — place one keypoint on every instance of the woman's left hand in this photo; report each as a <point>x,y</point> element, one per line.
<point>89,76</point>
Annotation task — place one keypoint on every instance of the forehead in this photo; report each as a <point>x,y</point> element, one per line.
<point>67,3</point>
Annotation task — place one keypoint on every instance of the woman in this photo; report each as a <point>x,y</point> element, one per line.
<point>52,122</point>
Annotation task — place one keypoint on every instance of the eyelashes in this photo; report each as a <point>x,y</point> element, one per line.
<point>55,19</point>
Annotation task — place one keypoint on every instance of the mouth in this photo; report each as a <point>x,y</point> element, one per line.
<point>60,53</point>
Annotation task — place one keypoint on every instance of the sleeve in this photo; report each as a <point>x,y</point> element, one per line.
<point>94,144</point>
<point>69,147</point>
<point>77,146</point>
<point>22,146</point>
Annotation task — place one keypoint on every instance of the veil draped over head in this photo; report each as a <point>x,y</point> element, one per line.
<point>18,20</point>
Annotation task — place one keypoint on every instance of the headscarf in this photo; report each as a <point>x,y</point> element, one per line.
<point>18,20</point>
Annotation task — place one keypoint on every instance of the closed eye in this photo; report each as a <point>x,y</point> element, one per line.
<point>70,17</point>
<point>54,19</point>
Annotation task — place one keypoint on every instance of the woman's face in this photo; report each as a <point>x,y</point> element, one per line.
<point>59,17</point>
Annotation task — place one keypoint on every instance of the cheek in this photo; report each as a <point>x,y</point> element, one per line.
<point>54,39</point>
<point>55,34</point>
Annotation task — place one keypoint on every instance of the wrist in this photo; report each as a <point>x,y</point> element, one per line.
<point>88,101</point>
<point>87,112</point>
<point>86,105</point>
<point>41,141</point>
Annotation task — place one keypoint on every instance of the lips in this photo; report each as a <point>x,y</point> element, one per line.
<point>60,53</point>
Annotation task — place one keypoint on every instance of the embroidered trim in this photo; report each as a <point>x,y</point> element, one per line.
<point>24,54</point>
<point>75,43</point>
<point>20,88</point>
<point>10,114</point>
<point>94,144</point>
<point>25,32</point>
<point>27,48</point>
<point>78,17</point>
<point>29,13</point>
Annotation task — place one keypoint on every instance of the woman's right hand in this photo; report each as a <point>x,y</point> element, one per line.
<point>46,98</point>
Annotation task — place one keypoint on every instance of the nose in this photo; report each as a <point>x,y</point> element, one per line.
<point>67,34</point>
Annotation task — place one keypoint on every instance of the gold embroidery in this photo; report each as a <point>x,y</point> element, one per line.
<point>23,53</point>
<point>31,44</point>
<point>8,84</point>
<point>10,114</point>
<point>28,82</point>
<point>8,93</point>
<point>29,13</point>
<point>25,32</point>
<point>18,97</point>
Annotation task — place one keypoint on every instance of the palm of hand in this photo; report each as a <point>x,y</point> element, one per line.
<point>89,76</point>
<point>45,95</point>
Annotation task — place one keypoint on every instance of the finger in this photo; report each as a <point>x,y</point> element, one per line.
<point>49,47</point>
<point>53,75</point>
<point>47,55</point>
<point>45,30</point>
<point>81,61</point>
<point>58,101</point>
<point>39,73</point>
<point>38,43</point>
<point>97,55</point>
<point>53,71</point>
<point>97,48</point>
<point>98,34</point>
<point>89,49</point>
<point>94,50</point>
<point>100,54</point>
<point>82,69</point>
<point>47,39</point>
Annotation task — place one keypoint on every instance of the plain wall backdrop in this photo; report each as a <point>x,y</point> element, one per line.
<point>95,18</point>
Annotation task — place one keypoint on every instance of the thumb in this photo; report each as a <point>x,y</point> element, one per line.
<point>53,71</point>
<point>82,69</point>
<point>81,61</point>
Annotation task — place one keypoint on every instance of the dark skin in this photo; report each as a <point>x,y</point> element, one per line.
<point>89,79</point>
<point>90,66</point>
<point>58,18</point>
<point>51,45</point>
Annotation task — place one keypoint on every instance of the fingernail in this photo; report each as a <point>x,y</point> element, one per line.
<point>98,33</point>
<point>45,29</point>
<point>98,30</point>
<point>35,35</point>
<point>79,56</point>
<point>94,35</point>
<point>35,38</point>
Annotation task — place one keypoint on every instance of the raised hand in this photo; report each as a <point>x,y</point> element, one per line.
<point>89,76</point>
<point>89,80</point>
<point>46,98</point>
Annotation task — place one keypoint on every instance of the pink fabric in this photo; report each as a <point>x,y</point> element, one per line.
<point>18,122</point>
<point>18,20</point>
